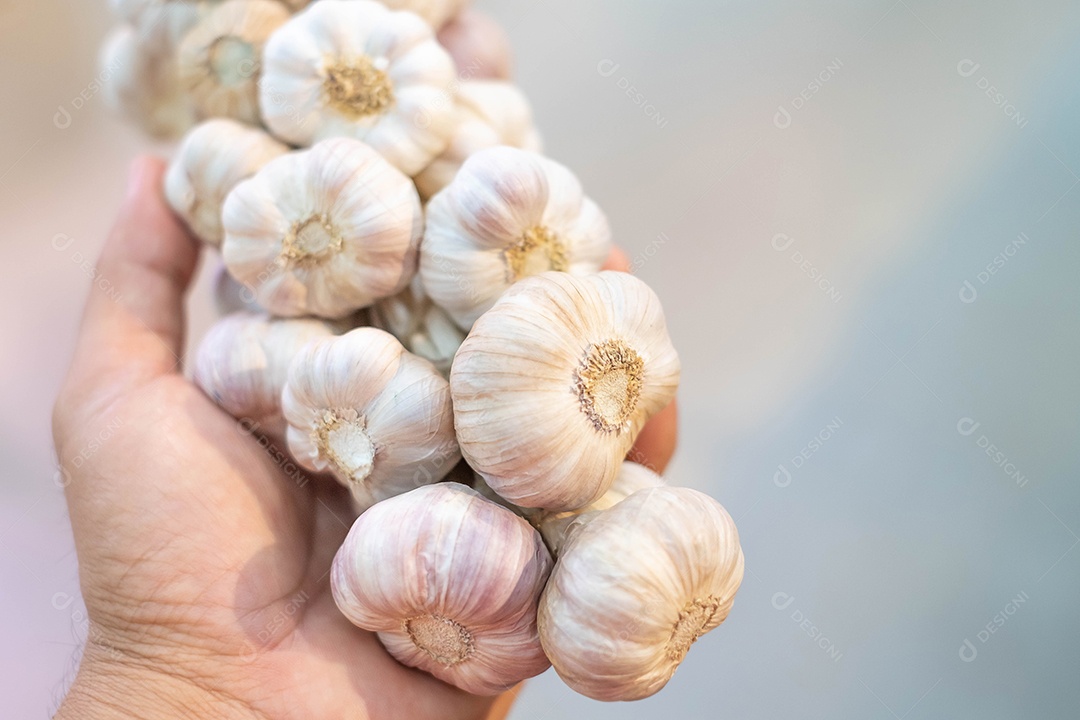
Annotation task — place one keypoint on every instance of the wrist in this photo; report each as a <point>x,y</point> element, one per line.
<point>117,687</point>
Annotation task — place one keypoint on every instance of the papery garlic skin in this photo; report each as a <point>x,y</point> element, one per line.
<point>243,362</point>
<point>220,58</point>
<point>634,587</point>
<point>420,325</point>
<point>143,84</point>
<point>324,231</point>
<point>507,215</point>
<point>554,383</point>
<point>354,68</point>
<point>450,582</point>
<point>488,113</point>
<point>212,159</point>
<point>556,526</point>
<point>375,416</point>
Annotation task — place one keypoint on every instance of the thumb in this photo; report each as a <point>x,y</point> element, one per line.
<point>133,325</point>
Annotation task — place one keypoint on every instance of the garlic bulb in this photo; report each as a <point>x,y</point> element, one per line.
<point>354,68</point>
<point>450,583</point>
<point>324,231</point>
<point>243,362</point>
<point>634,587</point>
<point>363,408</point>
<point>555,526</point>
<point>420,325</point>
<point>211,160</point>
<point>142,84</point>
<point>508,214</point>
<point>488,113</point>
<point>555,382</point>
<point>220,58</point>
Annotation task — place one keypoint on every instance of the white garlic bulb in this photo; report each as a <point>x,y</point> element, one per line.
<point>212,159</point>
<point>220,58</point>
<point>634,587</point>
<point>488,113</point>
<point>556,525</point>
<point>554,383</point>
<point>450,583</point>
<point>354,68</point>
<point>324,231</point>
<point>243,362</point>
<point>420,325</point>
<point>375,416</point>
<point>507,215</point>
<point>142,84</point>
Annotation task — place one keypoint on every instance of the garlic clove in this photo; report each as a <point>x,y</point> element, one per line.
<point>220,58</point>
<point>634,587</point>
<point>212,159</point>
<point>375,416</point>
<point>508,214</point>
<point>487,113</point>
<point>242,363</point>
<point>354,68</point>
<point>420,325</point>
<point>554,383</point>
<point>450,583</point>
<point>556,526</point>
<point>143,84</point>
<point>324,231</point>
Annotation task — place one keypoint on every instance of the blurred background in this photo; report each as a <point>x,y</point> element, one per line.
<point>862,219</point>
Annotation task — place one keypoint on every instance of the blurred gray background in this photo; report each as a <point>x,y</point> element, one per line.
<point>861,217</point>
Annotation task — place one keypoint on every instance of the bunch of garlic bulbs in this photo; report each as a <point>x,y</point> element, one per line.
<point>415,308</point>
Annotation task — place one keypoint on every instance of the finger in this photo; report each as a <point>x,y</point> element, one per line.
<point>655,445</point>
<point>479,46</point>
<point>133,326</point>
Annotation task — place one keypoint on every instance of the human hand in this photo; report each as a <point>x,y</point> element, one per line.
<point>204,560</point>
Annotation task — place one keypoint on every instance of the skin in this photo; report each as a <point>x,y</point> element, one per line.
<point>203,563</point>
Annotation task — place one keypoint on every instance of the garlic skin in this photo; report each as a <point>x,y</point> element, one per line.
<point>212,159</point>
<point>488,113</point>
<point>554,383</point>
<point>243,362</point>
<point>324,231</point>
<point>375,416</point>
<point>143,85</point>
<point>354,68</point>
<point>556,526</point>
<point>420,325</point>
<point>508,214</point>
<point>634,587</point>
<point>450,582</point>
<point>220,58</point>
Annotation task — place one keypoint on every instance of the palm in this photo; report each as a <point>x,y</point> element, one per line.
<point>229,559</point>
